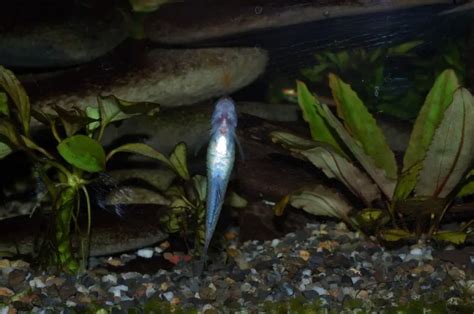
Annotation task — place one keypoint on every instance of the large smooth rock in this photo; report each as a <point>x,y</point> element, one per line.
<point>170,78</point>
<point>110,234</point>
<point>191,22</point>
<point>46,34</point>
<point>192,124</point>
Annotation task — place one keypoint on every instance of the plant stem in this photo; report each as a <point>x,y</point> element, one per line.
<point>64,209</point>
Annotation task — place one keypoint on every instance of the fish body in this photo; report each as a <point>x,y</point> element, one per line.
<point>220,161</point>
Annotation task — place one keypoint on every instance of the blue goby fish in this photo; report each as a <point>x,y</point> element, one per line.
<point>220,161</point>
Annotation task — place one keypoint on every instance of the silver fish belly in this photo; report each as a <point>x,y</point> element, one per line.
<point>220,161</point>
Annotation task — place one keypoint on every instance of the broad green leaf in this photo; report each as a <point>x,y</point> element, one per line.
<point>335,166</point>
<point>83,152</point>
<point>141,149</point>
<point>322,201</point>
<point>178,161</point>
<point>451,152</point>
<point>320,131</point>
<point>362,126</point>
<point>291,141</point>
<point>4,104</point>
<point>5,150</point>
<point>438,99</point>
<point>17,93</point>
<point>385,184</point>
<point>455,237</point>
<point>393,235</point>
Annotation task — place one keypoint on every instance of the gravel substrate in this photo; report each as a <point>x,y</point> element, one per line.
<point>324,265</point>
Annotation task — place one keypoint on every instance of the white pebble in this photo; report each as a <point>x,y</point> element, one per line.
<point>37,283</point>
<point>275,242</point>
<point>307,272</point>
<point>117,290</point>
<point>110,278</point>
<point>416,252</point>
<point>320,290</point>
<point>355,279</point>
<point>71,304</point>
<point>168,296</point>
<point>145,253</point>
<point>130,275</point>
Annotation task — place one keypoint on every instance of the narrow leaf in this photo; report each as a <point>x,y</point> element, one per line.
<point>72,120</point>
<point>320,131</point>
<point>9,135</point>
<point>455,237</point>
<point>362,126</point>
<point>322,201</point>
<point>468,188</point>
<point>291,141</point>
<point>393,235</point>
<point>17,93</point>
<point>438,99</point>
<point>83,152</point>
<point>451,153</point>
<point>336,166</point>
<point>32,145</point>
<point>141,149</point>
<point>279,207</point>
<point>386,184</point>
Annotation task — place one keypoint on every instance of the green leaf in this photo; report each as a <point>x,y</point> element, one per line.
<point>336,166</point>
<point>386,184</point>
<point>438,99</point>
<point>451,152</point>
<point>404,48</point>
<point>18,95</point>
<point>320,131</point>
<point>362,126</point>
<point>141,149</point>
<point>5,150</point>
<point>291,141</point>
<point>4,104</point>
<point>393,235</point>
<point>407,181</point>
<point>178,161</point>
<point>455,237</point>
<point>322,201</point>
<point>83,152</point>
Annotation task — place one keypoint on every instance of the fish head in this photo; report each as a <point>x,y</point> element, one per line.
<point>224,114</point>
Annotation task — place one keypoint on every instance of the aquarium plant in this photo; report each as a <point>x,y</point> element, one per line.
<point>395,90</point>
<point>393,204</point>
<point>75,161</point>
